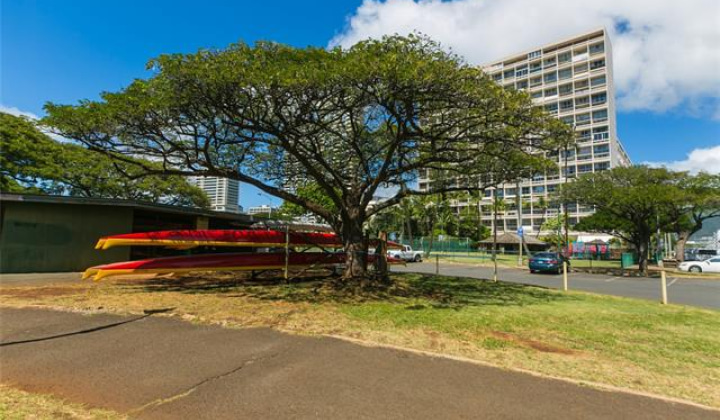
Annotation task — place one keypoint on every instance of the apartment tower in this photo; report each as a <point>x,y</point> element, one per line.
<point>573,80</point>
<point>223,193</point>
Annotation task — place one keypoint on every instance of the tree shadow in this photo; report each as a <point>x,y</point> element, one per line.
<point>417,291</point>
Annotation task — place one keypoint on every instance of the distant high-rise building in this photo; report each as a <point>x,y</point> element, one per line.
<point>223,193</point>
<point>573,80</point>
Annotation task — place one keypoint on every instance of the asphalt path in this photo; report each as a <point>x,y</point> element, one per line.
<point>163,368</point>
<point>703,292</point>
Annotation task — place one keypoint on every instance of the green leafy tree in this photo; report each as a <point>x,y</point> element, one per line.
<point>631,203</point>
<point>697,200</point>
<point>32,162</point>
<point>348,120</point>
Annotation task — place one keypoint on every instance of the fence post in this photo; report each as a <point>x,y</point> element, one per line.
<point>663,284</point>
<point>437,264</point>
<point>565,278</point>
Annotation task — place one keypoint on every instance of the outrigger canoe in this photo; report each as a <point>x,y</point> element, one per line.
<point>221,262</point>
<point>185,239</point>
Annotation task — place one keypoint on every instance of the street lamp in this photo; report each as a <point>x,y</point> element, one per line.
<point>270,198</point>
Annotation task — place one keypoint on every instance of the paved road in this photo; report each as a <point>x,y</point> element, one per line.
<point>161,368</point>
<point>696,292</point>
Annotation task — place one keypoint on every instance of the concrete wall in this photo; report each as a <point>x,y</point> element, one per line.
<point>41,237</point>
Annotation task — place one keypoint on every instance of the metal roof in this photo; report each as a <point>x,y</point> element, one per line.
<point>165,208</point>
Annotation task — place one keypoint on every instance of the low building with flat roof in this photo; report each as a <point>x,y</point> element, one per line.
<point>40,233</point>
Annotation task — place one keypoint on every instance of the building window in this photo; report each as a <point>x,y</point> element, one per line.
<point>509,74</point>
<point>599,98</point>
<point>582,102</point>
<point>566,105</point>
<point>536,94</point>
<point>566,89</point>
<point>597,48</point>
<point>582,119</point>
<point>582,169</point>
<point>600,115</point>
<point>565,74</point>
<point>534,54</point>
<point>581,86</point>
<point>521,71</point>
<point>550,92</point>
<point>525,190</point>
<point>598,81</point>
<point>564,57</point>
<point>497,77</point>
<point>600,134</point>
<point>602,166</point>
<point>535,67</point>
<point>569,120</point>
<point>597,64</point>
<point>552,108</point>
<point>522,84</point>
<point>583,135</point>
<point>550,77</point>
<point>535,81</point>
<point>603,148</point>
<point>581,68</point>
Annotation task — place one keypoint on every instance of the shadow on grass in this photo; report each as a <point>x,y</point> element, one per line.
<point>418,291</point>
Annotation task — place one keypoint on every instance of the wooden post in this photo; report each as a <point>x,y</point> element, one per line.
<point>663,284</point>
<point>287,251</point>
<point>437,264</point>
<point>565,278</point>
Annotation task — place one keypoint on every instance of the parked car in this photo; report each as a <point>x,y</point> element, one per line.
<point>546,261</point>
<point>700,254</point>
<point>406,253</point>
<point>711,265</point>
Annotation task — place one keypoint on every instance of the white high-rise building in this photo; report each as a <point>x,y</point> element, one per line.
<point>223,193</point>
<point>573,80</point>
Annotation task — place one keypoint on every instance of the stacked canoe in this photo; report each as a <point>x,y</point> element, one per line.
<point>185,239</point>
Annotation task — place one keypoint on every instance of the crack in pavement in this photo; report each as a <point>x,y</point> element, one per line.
<point>161,401</point>
<point>148,312</point>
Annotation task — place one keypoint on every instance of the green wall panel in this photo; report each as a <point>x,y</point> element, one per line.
<point>41,237</point>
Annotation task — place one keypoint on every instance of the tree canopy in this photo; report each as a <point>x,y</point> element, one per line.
<point>32,162</point>
<point>632,203</point>
<point>347,121</point>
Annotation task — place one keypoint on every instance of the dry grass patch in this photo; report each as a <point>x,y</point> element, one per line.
<point>20,405</point>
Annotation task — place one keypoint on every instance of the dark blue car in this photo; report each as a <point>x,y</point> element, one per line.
<point>546,261</point>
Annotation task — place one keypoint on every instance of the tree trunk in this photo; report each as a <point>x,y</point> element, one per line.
<point>642,249</point>
<point>355,249</point>
<point>680,245</point>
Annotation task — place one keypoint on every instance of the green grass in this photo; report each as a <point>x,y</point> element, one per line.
<point>668,350</point>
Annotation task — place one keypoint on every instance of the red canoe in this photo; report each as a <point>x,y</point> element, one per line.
<point>185,239</point>
<point>220,262</point>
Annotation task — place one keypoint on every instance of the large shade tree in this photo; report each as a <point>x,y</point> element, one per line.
<point>348,121</point>
<point>631,203</point>
<point>32,162</point>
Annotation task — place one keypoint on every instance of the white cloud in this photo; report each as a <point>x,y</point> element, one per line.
<point>707,160</point>
<point>17,112</point>
<point>666,52</point>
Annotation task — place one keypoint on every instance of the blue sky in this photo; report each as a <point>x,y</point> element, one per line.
<point>67,51</point>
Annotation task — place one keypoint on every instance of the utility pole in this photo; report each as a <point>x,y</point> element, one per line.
<point>566,257</point>
<point>494,253</point>
<point>518,205</point>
